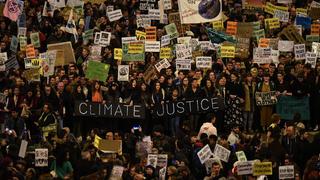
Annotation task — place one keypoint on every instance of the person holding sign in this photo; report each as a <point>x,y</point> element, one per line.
<point>265,111</point>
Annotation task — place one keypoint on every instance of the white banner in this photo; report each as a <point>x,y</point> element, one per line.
<point>285,46</point>
<point>41,157</point>
<point>154,14</point>
<point>199,11</point>
<point>244,168</point>
<point>262,55</point>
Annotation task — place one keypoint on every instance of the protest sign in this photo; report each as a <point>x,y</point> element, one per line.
<point>227,51</point>
<point>201,12</point>
<point>286,172</point>
<point>136,47</point>
<point>231,28</point>
<point>105,38</point>
<point>312,38</point>
<point>136,111</point>
<point>184,40</point>
<point>117,172</point>
<point>65,49</point>
<point>97,71</point>
<point>316,48</point>
<point>262,55</point>
<point>221,152</point>
<point>32,74</point>
<point>152,160</point>
<point>143,21</point>
<point>193,43</point>
<point>41,157</point>
<point>314,12</point>
<point>23,148</point>
<point>244,167</point>
<point>258,34</point>
<point>204,62</point>
<point>45,67</point>
<point>285,46</point>
<point>206,45</point>
<point>51,56</point>
<point>304,21</point>
<point>311,58</point>
<point>22,31</point>
<point>14,44</point>
<point>218,25</point>
<point>23,43</point>
<point>253,4</point>
<point>152,46</point>
<point>272,23</point>
<point>266,98</point>
<point>165,40</point>
<point>299,51</point>
<point>183,64</point>
<point>183,51</point>
<point>30,52</point>
<point>315,29</point>
<point>245,30</point>
<point>162,173</point>
<point>140,35</point>
<point>204,154</point>
<point>165,53</point>
<point>35,40</point>
<point>95,52</point>
<point>283,16</point>
<point>151,33</point>
<point>114,15</point>
<point>288,106</point>
<point>175,18</point>
<point>154,14</point>
<point>270,8</point>
<point>123,72</point>
<point>108,146</point>
<point>117,53</point>
<point>128,39</point>
<point>163,64</point>
<point>275,56</point>
<point>3,59</point>
<point>162,160</point>
<point>264,42</point>
<point>12,63</point>
<point>167,4</point>
<point>262,168</point>
<point>147,4</point>
<point>241,156</point>
<point>97,37</point>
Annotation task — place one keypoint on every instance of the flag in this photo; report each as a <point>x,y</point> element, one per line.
<point>11,10</point>
<point>71,26</point>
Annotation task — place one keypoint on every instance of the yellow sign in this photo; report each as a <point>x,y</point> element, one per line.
<point>217,24</point>
<point>165,53</point>
<point>97,140</point>
<point>302,11</point>
<point>136,47</point>
<point>262,168</point>
<point>228,51</point>
<point>117,53</point>
<point>140,35</point>
<point>272,23</point>
<point>270,8</point>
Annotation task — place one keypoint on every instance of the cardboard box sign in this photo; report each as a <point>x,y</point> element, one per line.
<point>66,49</point>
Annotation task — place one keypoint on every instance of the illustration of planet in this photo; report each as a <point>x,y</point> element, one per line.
<point>209,9</point>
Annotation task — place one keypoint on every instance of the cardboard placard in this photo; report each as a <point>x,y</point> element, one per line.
<point>152,46</point>
<point>231,28</point>
<point>140,35</point>
<point>114,15</point>
<point>23,148</point>
<point>117,53</point>
<point>262,55</point>
<point>227,51</point>
<point>165,40</point>
<point>241,156</point>
<point>283,16</point>
<point>204,62</point>
<point>136,47</point>
<point>264,42</point>
<point>163,64</point>
<point>165,53</point>
<point>30,52</point>
<point>97,71</point>
<point>35,40</point>
<point>272,23</point>
<point>63,49</point>
<point>285,46</point>
<point>183,64</point>
<point>311,58</point>
<point>244,167</point>
<point>154,14</point>
<point>299,51</point>
<point>183,51</point>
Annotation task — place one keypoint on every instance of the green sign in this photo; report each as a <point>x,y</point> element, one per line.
<point>130,57</point>
<point>97,71</point>
<point>171,29</point>
<point>288,106</point>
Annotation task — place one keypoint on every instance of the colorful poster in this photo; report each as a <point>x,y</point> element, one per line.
<point>199,11</point>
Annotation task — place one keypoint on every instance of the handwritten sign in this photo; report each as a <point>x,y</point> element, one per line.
<point>231,28</point>
<point>299,51</point>
<point>114,15</point>
<point>204,62</point>
<point>165,53</point>
<point>151,33</point>
<point>286,172</point>
<point>241,156</point>
<point>228,51</point>
<point>262,168</point>
<point>222,153</point>
<point>183,64</point>
<point>152,46</point>
<point>244,167</point>
<point>41,157</point>
<point>117,53</point>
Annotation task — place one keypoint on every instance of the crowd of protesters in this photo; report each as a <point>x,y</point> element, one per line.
<point>42,112</point>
